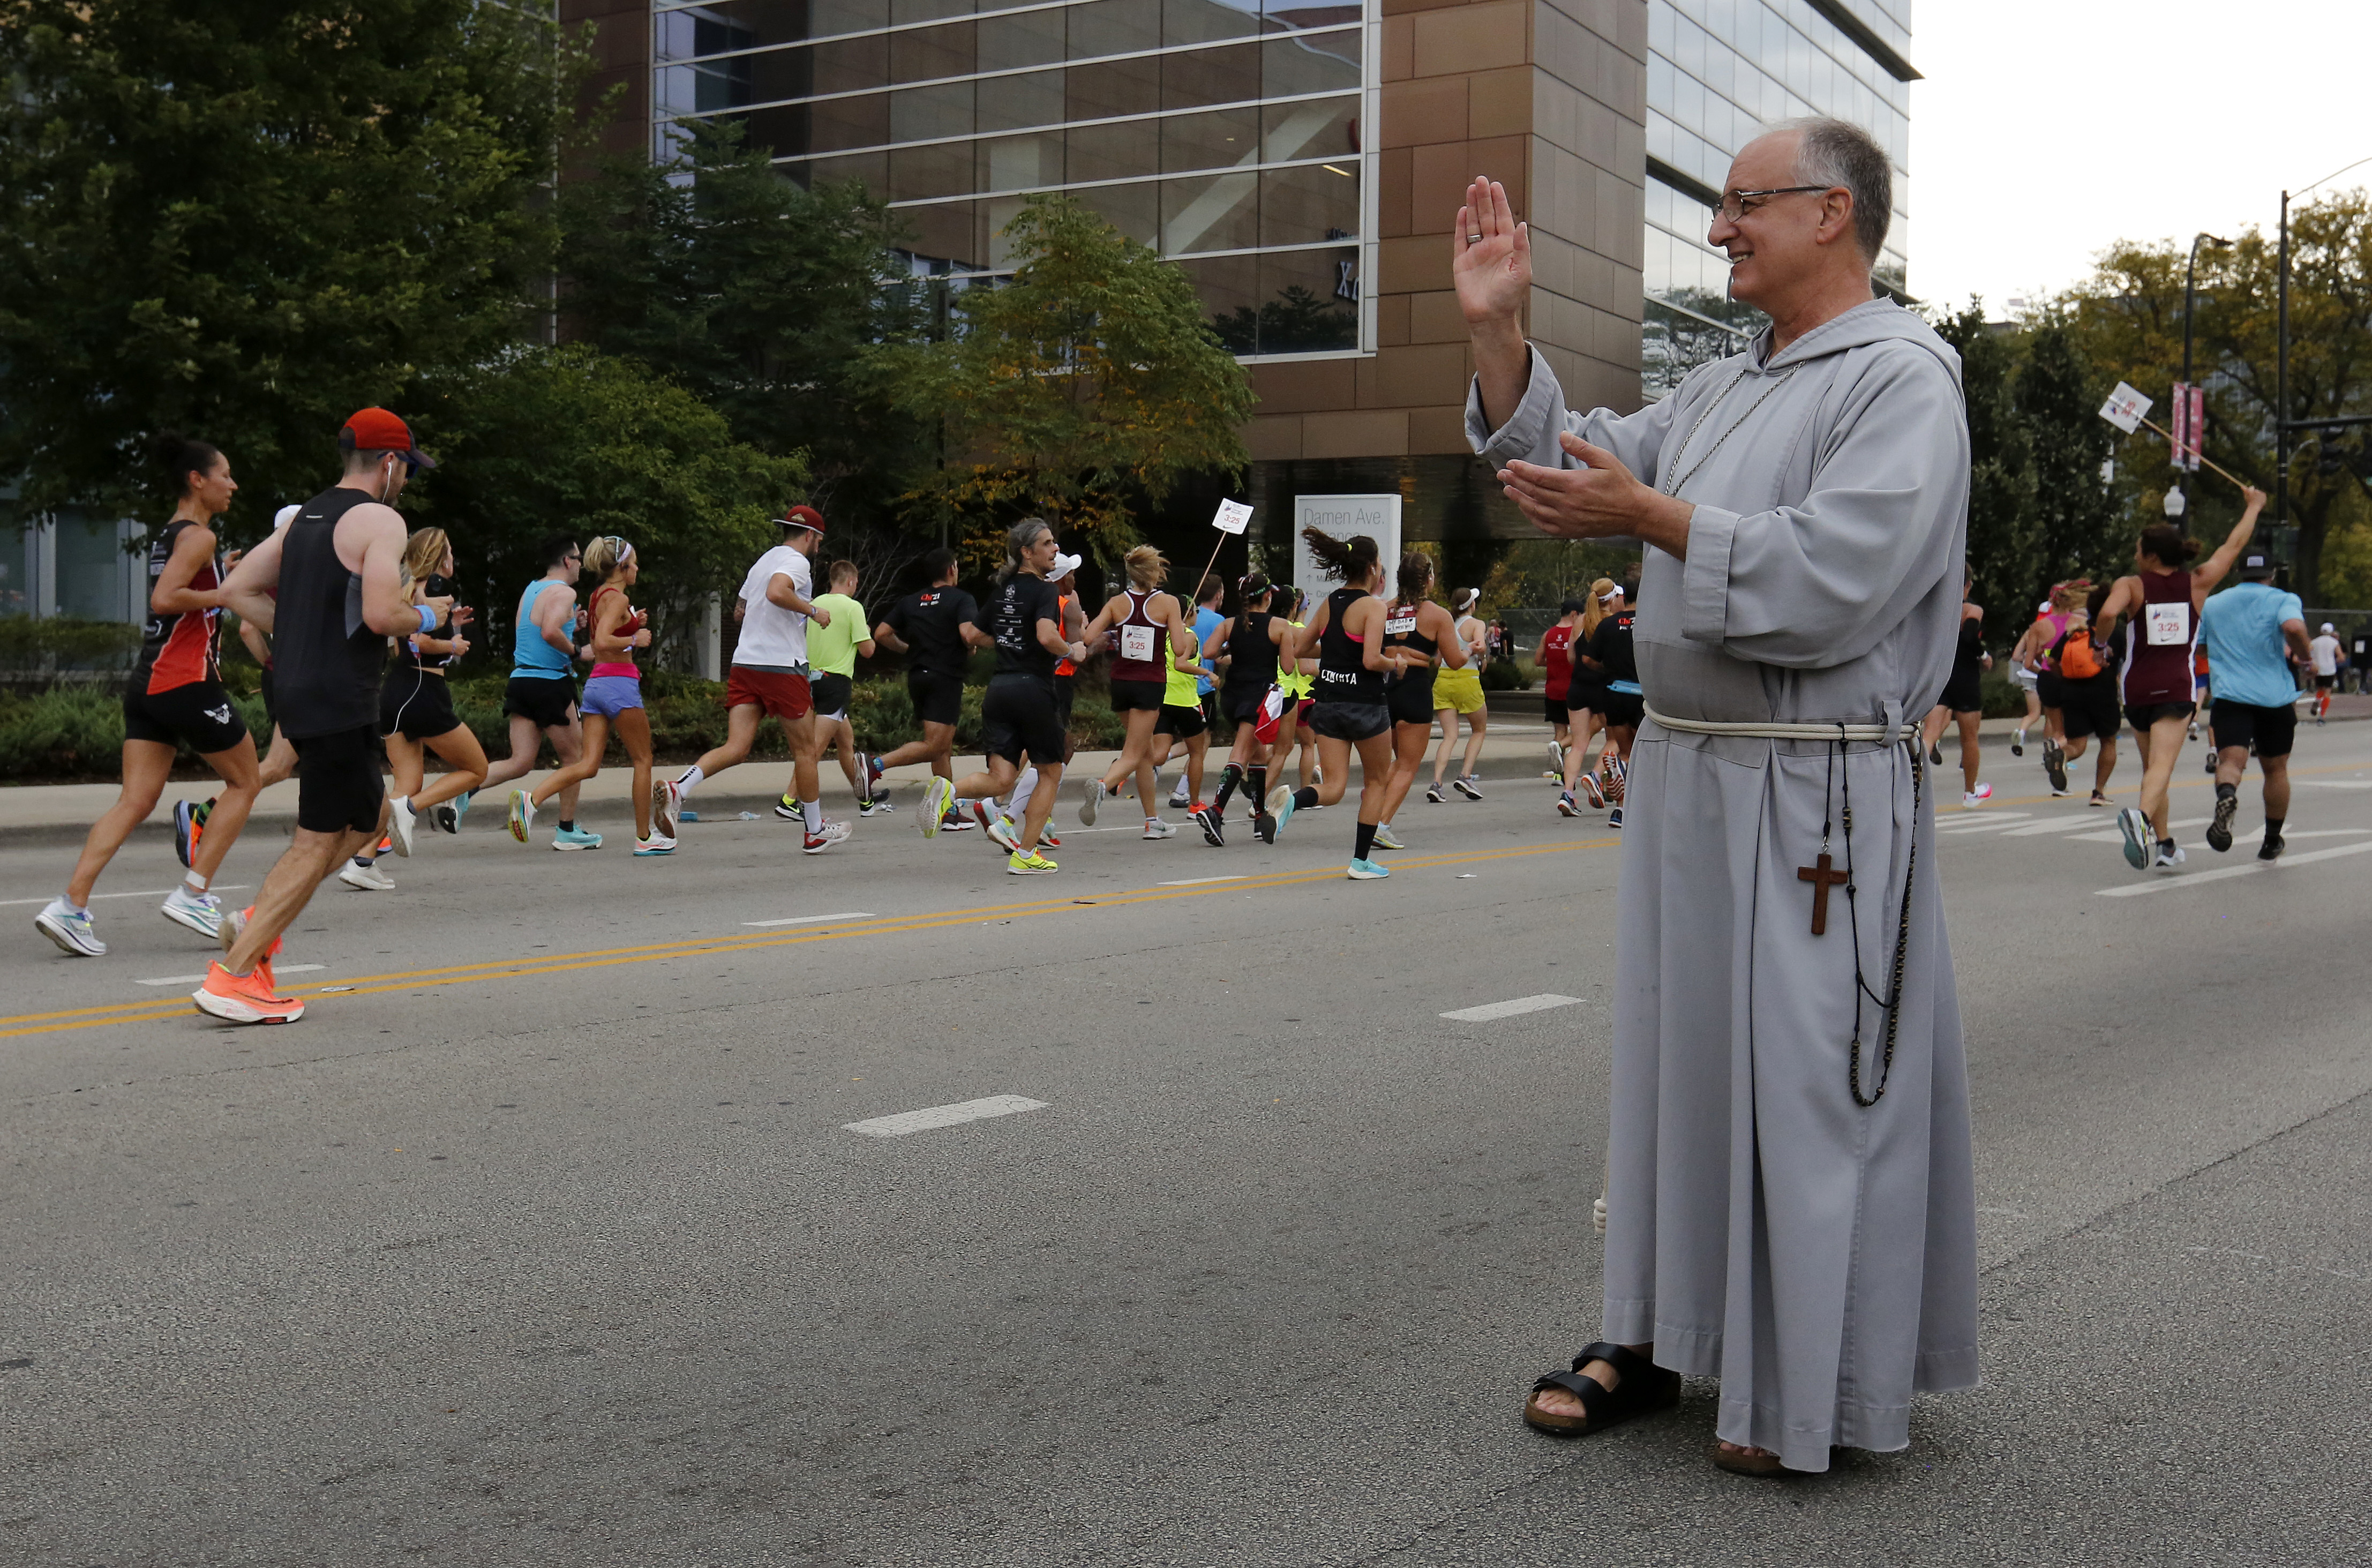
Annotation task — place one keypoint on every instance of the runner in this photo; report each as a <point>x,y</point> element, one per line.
<point>415,711</point>
<point>935,628</point>
<point>1348,633</point>
<point>835,644</point>
<point>2325,653</point>
<point>279,757</point>
<point>2159,607</point>
<point>2021,671</point>
<point>1556,667</point>
<point>1585,697</point>
<point>2068,604</point>
<point>1249,645</point>
<point>2088,696</point>
<point>1458,693</point>
<point>337,570</point>
<point>541,698</point>
<point>1019,715</point>
<point>1138,625</point>
<point>1298,678</point>
<point>1963,700</point>
<point>613,697</point>
<point>1063,575</point>
<point>1181,720</point>
<point>2251,632</point>
<point>1609,659</point>
<point>1419,636</point>
<point>1208,596</point>
<point>769,676</point>
<point>175,695</point>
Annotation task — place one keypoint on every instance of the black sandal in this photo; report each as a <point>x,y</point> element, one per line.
<point>1640,1386</point>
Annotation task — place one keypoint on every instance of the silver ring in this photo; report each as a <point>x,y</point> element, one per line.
<point>1474,239</point>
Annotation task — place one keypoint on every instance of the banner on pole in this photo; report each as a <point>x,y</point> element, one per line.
<point>1233,517</point>
<point>2194,425</point>
<point>2178,424</point>
<point>2126,409</point>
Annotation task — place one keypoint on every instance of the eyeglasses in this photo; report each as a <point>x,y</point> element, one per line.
<point>1738,204</point>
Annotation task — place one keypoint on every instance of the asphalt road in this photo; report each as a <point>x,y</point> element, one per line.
<point>547,1242</point>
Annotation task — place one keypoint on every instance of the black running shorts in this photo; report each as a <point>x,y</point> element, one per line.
<point>1582,694</point>
<point>1353,722</point>
<point>1184,724</point>
<point>2323,683</point>
<point>548,702</point>
<point>2051,687</point>
<point>1970,697</point>
<point>1063,695</point>
<point>1131,696</point>
<point>338,782</point>
<point>937,699</point>
<point>830,695</point>
<point>1018,714</point>
<point>200,714</point>
<point>416,706</point>
<point>2274,730</point>
<point>2090,707</point>
<point>1411,699</point>
<point>1241,704</point>
<point>2141,716</point>
<point>1623,710</point>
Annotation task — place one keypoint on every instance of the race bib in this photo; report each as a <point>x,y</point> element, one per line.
<point>1401,625</point>
<point>2169,625</point>
<point>1136,644</point>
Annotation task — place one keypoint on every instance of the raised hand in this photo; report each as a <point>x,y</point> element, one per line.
<point>1492,256</point>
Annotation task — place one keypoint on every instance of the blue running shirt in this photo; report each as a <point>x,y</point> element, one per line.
<point>2246,660</point>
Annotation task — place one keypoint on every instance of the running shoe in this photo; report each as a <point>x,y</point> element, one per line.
<point>401,819</point>
<point>446,817</point>
<point>1432,792</point>
<point>1565,806</point>
<point>939,797</point>
<point>1468,784</point>
<point>2055,763</point>
<point>1178,799</point>
<point>1934,756</point>
<point>1614,818</point>
<point>2219,831</point>
<point>831,833</point>
<point>1022,865</point>
<point>2271,848</point>
<point>1280,811</point>
<point>459,807</point>
<point>366,878</point>
<point>523,816</point>
<point>1977,796</point>
<point>188,823</point>
<point>1208,821</point>
<point>201,912</point>
<point>1556,757</point>
<point>996,825</point>
<point>2018,741</point>
<point>1264,827</point>
<point>1155,827</point>
<point>872,806</point>
<point>2137,829</point>
<point>873,770</point>
<point>2099,797</point>
<point>952,820</point>
<point>2169,854</point>
<point>1591,787</point>
<point>788,810</point>
<point>1367,871</point>
<point>1095,794</point>
<point>666,803</point>
<point>69,930</point>
<point>2211,762</point>
<point>657,844</point>
<point>1386,838</point>
<point>1049,839</point>
<point>576,838</point>
<point>245,999</point>
<point>2191,730</point>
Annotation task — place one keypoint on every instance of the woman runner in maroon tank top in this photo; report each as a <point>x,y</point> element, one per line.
<point>2157,612</point>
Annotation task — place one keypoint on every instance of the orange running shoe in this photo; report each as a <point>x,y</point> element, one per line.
<point>245,999</point>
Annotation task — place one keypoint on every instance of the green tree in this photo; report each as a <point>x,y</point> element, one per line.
<point>1088,380</point>
<point>244,220</point>
<point>2128,319</point>
<point>571,440</point>
<point>757,295</point>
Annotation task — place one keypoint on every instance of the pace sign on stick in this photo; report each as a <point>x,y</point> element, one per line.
<point>2129,410</point>
<point>1233,519</point>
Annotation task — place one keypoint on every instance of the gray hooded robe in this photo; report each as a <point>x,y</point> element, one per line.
<point>1818,1257</point>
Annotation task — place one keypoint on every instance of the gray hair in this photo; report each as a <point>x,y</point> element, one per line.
<point>1018,538</point>
<point>1838,152</point>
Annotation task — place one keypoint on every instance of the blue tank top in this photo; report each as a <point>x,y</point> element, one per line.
<point>530,655</point>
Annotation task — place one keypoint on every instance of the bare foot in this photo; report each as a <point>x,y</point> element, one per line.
<point>1559,1402</point>
<point>1751,1452</point>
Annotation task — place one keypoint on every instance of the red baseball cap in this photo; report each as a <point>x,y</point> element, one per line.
<point>803,517</point>
<point>377,430</point>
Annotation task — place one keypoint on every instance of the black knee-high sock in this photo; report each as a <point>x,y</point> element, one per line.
<point>1364,841</point>
<point>1260,788</point>
<point>1230,776</point>
<point>1304,798</point>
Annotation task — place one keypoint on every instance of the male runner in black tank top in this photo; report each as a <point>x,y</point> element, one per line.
<point>330,590</point>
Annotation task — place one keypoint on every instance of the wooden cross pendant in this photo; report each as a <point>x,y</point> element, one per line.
<point>1821,878</point>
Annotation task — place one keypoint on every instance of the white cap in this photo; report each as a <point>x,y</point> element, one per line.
<point>286,515</point>
<point>2042,608</point>
<point>1063,567</point>
<point>2329,627</point>
<point>1614,592</point>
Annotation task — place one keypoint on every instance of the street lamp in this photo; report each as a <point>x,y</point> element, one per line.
<point>2190,290</point>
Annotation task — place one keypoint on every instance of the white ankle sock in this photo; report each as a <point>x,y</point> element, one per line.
<point>688,781</point>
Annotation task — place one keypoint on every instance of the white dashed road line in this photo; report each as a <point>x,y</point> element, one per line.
<point>2334,784</point>
<point>199,979</point>
<point>150,893</point>
<point>813,919</point>
<point>1491,1010</point>
<point>1199,881</point>
<point>2192,880</point>
<point>907,1121</point>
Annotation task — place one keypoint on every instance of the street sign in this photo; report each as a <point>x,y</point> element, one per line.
<point>2126,409</point>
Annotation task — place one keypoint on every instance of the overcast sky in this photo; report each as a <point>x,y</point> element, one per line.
<point>2047,129</point>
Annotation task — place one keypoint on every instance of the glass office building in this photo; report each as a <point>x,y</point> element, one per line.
<point>1226,134</point>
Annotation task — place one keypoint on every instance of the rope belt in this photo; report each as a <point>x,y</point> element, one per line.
<point>1844,732</point>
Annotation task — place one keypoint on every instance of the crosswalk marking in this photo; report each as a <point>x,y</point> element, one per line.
<point>2223,873</point>
<point>936,1116</point>
<point>1491,1010</point>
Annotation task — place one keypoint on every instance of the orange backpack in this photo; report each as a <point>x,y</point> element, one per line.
<point>2078,659</point>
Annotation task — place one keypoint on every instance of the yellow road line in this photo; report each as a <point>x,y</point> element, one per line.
<point>715,946</point>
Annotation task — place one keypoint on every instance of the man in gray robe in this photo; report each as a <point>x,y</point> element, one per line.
<point>1804,507</point>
